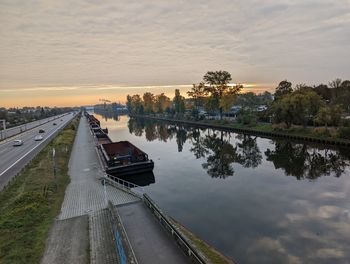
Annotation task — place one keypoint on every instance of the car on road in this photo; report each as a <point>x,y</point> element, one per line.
<point>17,142</point>
<point>38,138</point>
<point>54,124</point>
<point>41,131</point>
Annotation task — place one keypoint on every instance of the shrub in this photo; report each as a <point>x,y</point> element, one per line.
<point>321,132</point>
<point>344,132</point>
<point>247,118</point>
<point>279,127</point>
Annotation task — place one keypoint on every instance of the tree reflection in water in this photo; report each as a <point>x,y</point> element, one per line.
<point>221,156</point>
<point>299,160</point>
<point>198,148</point>
<point>249,154</point>
<point>304,162</point>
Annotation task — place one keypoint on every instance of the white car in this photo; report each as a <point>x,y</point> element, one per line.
<point>17,142</point>
<point>38,138</point>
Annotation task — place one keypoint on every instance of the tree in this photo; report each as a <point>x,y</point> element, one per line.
<point>148,102</point>
<point>282,89</point>
<point>179,102</point>
<point>128,103</point>
<point>323,116</point>
<point>345,84</point>
<point>162,102</point>
<point>344,95</point>
<point>299,107</point>
<point>136,104</point>
<point>218,88</point>
<point>336,83</point>
<point>324,91</point>
<point>197,93</point>
<point>265,98</point>
<point>336,113</point>
<point>282,110</point>
<point>248,101</point>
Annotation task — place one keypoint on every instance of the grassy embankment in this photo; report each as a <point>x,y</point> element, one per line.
<point>331,133</point>
<point>213,255</point>
<point>29,204</point>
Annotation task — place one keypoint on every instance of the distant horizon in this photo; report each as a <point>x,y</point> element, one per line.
<point>79,95</point>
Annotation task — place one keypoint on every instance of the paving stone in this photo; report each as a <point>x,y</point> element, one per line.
<point>101,237</point>
<point>68,242</point>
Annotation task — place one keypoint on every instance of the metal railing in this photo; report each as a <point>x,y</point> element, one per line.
<point>122,244</point>
<point>186,247</point>
<point>125,185</point>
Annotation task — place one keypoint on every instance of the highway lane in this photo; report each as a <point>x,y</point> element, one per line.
<point>19,129</point>
<point>13,159</point>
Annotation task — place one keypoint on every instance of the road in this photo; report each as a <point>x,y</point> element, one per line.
<point>19,129</point>
<point>13,159</point>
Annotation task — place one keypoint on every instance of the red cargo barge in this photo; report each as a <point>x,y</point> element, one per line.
<point>123,158</point>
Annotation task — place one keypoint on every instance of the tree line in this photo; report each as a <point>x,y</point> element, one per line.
<point>214,93</point>
<point>305,105</point>
<point>311,105</point>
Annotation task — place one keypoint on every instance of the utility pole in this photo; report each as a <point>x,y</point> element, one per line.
<point>54,165</point>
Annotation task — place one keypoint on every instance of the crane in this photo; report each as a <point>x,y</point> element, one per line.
<point>104,100</point>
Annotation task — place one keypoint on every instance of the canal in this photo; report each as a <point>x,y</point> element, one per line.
<point>257,200</point>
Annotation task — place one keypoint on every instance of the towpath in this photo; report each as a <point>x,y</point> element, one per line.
<point>83,232</point>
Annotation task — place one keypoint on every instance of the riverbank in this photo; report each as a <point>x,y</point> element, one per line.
<point>260,129</point>
<point>213,255</point>
<point>33,199</point>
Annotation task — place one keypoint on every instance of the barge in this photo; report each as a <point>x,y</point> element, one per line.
<point>120,158</point>
<point>123,158</point>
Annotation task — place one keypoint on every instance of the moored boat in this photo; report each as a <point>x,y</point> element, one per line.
<point>123,158</point>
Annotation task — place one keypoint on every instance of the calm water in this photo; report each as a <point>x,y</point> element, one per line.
<point>257,200</point>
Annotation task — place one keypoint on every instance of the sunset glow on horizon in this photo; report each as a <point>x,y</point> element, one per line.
<point>90,94</point>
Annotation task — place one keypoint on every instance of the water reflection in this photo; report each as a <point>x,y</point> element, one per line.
<point>303,162</point>
<point>257,215</point>
<point>107,114</point>
<point>221,150</point>
<point>221,156</point>
<point>249,154</point>
<point>143,179</point>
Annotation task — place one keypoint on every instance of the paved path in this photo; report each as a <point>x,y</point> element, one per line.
<point>85,196</point>
<point>151,244</point>
<point>72,248</point>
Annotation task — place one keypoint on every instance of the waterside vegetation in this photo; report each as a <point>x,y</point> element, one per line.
<point>312,111</point>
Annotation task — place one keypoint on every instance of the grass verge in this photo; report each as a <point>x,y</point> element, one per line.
<point>213,255</point>
<point>30,203</point>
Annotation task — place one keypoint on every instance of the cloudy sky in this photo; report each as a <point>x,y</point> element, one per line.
<point>77,51</point>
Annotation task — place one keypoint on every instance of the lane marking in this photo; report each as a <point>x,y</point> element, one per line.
<point>14,136</point>
<point>2,173</point>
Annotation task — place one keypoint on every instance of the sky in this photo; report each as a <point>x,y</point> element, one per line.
<point>77,52</point>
